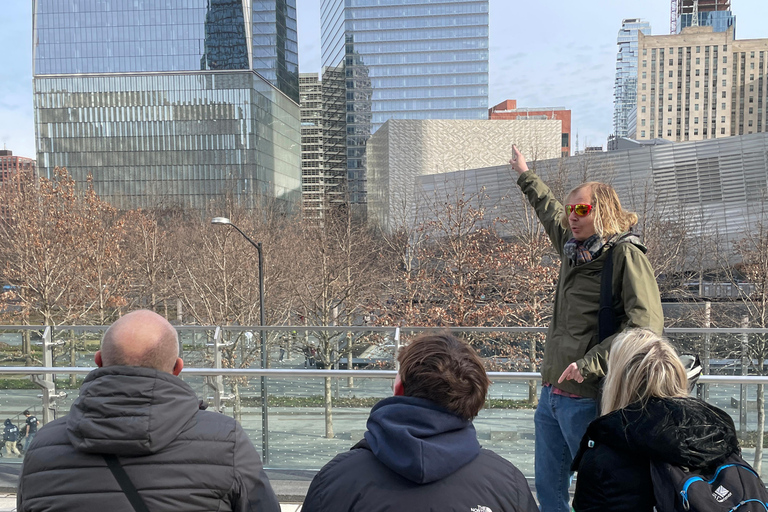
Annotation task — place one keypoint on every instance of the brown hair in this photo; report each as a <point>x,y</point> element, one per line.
<point>610,217</point>
<point>445,370</point>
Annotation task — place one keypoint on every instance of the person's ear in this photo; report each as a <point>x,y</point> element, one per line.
<point>398,388</point>
<point>178,367</point>
<point>97,359</point>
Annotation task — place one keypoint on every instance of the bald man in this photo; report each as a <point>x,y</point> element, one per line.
<point>133,412</point>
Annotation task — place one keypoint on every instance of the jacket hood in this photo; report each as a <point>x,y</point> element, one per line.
<point>127,410</point>
<point>8,422</point>
<point>420,440</point>
<point>681,431</point>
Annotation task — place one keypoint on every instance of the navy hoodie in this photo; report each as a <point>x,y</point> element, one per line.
<point>418,456</point>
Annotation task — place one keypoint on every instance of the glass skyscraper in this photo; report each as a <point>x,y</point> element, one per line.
<point>169,102</point>
<point>710,13</point>
<point>625,85</point>
<point>405,59</point>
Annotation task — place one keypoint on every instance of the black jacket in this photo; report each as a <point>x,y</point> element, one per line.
<point>178,457</point>
<point>416,456</point>
<point>614,472</point>
<point>11,432</point>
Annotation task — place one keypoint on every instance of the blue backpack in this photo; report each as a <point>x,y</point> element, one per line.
<point>732,486</point>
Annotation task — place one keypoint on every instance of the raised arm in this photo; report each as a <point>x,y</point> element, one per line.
<point>548,209</point>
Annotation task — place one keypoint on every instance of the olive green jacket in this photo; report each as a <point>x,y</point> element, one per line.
<point>572,335</point>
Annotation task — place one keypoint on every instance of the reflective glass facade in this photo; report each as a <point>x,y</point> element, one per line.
<point>625,85</point>
<point>123,36</point>
<point>720,21</point>
<point>405,59</point>
<point>170,139</point>
<point>169,101</point>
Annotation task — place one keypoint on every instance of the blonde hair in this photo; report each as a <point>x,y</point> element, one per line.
<point>610,217</point>
<point>642,365</point>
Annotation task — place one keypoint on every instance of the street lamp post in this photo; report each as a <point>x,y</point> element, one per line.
<point>264,362</point>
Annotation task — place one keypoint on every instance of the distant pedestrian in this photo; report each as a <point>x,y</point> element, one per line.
<point>11,437</point>
<point>30,429</point>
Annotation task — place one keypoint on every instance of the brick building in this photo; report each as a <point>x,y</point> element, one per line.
<point>10,164</point>
<point>507,110</point>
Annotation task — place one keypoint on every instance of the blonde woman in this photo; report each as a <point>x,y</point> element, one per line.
<point>591,222</point>
<point>647,414</point>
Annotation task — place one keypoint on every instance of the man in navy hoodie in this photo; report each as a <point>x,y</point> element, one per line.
<point>420,452</point>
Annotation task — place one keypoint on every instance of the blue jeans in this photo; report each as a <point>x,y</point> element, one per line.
<point>28,440</point>
<point>560,423</point>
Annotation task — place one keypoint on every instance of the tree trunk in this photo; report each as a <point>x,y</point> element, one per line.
<point>350,366</point>
<point>328,409</point>
<point>758,465</point>
<point>72,359</point>
<point>26,345</point>
<point>237,410</point>
<point>533,397</point>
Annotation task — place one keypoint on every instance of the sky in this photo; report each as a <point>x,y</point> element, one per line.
<point>546,53</point>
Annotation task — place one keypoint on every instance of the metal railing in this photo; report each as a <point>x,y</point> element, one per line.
<point>214,344</point>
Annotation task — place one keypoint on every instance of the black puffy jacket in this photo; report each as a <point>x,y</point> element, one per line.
<point>178,457</point>
<point>613,461</point>
<point>418,457</point>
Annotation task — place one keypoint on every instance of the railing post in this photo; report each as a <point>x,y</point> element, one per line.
<point>707,348</point>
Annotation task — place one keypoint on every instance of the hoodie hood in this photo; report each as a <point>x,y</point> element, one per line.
<point>627,238</point>
<point>8,422</point>
<point>128,410</point>
<point>681,431</point>
<point>420,440</point>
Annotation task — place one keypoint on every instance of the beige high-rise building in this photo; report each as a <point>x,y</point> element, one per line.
<point>700,84</point>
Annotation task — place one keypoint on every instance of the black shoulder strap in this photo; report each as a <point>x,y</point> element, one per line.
<point>606,316</point>
<point>125,483</point>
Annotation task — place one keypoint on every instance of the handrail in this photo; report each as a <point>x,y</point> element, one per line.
<point>377,374</point>
<point>379,328</point>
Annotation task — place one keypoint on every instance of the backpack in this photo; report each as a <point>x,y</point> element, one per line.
<point>733,486</point>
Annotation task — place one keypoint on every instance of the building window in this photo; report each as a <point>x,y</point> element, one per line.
<point>642,86</point>
<point>669,120</point>
<point>750,122</point>
<point>642,98</point>
<point>642,109</point>
<point>669,133</point>
<point>695,131</point>
<point>696,105</point>
<point>698,72</point>
<point>642,133</point>
<point>670,74</point>
<point>722,106</point>
<point>750,110</point>
<point>669,108</point>
<point>695,120</point>
<point>645,63</point>
<point>696,96</point>
<point>722,119</point>
<point>751,87</point>
<point>697,83</point>
<point>669,97</point>
<point>642,122</point>
<point>751,99</point>
<point>698,60</point>
<point>725,58</point>
<point>752,64</point>
<point>722,131</point>
<point>723,94</point>
<point>751,77</point>
<point>698,50</point>
<point>725,71</point>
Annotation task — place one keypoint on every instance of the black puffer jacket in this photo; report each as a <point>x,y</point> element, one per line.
<point>178,457</point>
<point>418,457</point>
<point>614,473</point>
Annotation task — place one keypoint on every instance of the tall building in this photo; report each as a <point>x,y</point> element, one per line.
<point>10,165</point>
<point>404,59</point>
<point>404,149</point>
<point>703,13</point>
<point>625,85</point>
<point>180,102</point>
<point>508,110</point>
<point>701,84</point>
<point>323,137</point>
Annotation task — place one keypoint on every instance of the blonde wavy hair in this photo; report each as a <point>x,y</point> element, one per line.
<point>610,217</point>
<point>642,365</point>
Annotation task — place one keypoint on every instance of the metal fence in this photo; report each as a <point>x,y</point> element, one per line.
<point>298,437</point>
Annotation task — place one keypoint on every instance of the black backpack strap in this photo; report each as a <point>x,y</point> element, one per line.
<point>125,483</point>
<point>606,316</point>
